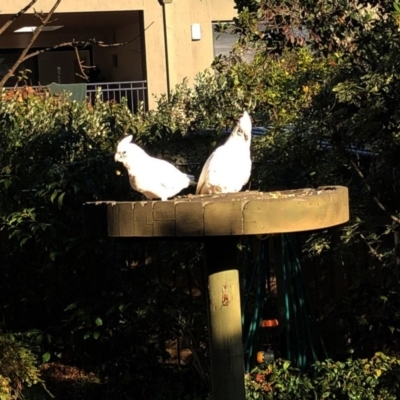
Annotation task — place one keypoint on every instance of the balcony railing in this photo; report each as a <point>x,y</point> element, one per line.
<point>135,92</point>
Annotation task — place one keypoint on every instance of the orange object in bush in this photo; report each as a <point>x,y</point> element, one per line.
<point>260,357</point>
<point>265,356</point>
<point>269,323</point>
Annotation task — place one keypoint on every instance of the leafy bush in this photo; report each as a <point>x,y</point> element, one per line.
<point>278,380</point>
<point>101,302</point>
<point>97,303</point>
<point>366,379</point>
<point>368,317</point>
<point>18,368</point>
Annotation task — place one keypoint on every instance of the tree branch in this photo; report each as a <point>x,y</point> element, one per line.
<point>35,35</point>
<point>376,200</point>
<point>82,74</point>
<point>16,16</point>
<point>371,249</point>
<point>102,44</point>
<point>80,43</point>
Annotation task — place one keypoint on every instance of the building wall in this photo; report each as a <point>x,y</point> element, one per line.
<point>165,60</point>
<point>130,58</point>
<point>122,63</point>
<point>10,7</point>
<point>188,57</point>
<point>170,61</point>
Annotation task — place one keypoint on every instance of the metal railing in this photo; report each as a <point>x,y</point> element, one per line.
<point>135,92</point>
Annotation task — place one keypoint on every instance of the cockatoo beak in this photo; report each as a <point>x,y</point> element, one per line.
<point>117,157</point>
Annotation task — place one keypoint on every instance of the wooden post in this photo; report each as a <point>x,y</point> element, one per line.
<point>226,345</point>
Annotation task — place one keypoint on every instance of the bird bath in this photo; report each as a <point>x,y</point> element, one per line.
<point>216,220</point>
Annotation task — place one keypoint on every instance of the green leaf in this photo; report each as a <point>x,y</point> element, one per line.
<point>121,307</point>
<point>286,365</point>
<point>99,321</point>
<point>46,357</point>
<point>23,241</point>
<point>96,334</point>
<point>384,298</point>
<point>70,307</point>
<point>60,199</point>
<point>53,196</point>
<point>32,332</point>
<point>39,338</point>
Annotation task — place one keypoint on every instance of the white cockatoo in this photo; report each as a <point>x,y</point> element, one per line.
<point>228,168</point>
<point>151,176</point>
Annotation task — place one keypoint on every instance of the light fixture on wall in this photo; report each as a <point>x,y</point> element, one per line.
<point>30,29</point>
<point>196,31</point>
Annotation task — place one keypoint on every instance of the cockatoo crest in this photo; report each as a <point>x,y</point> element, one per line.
<point>243,128</point>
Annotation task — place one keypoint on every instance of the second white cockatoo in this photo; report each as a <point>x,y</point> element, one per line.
<point>155,178</point>
<point>228,168</point>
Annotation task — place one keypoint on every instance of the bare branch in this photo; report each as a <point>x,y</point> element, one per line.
<point>81,66</point>
<point>376,200</point>
<point>81,43</point>
<point>16,16</point>
<point>102,44</point>
<point>35,35</point>
<point>371,249</point>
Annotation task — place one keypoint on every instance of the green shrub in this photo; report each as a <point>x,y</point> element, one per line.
<point>360,379</point>
<point>278,380</point>
<point>97,304</point>
<point>18,368</point>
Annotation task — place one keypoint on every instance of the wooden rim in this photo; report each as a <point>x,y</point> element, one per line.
<point>243,213</point>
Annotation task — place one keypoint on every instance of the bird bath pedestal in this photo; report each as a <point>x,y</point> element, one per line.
<point>217,219</point>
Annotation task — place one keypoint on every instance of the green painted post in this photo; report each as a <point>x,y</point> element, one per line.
<point>226,345</point>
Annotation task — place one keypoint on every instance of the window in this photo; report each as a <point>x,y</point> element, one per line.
<point>223,42</point>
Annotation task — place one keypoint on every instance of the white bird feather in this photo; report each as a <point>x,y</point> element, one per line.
<point>228,168</point>
<point>153,177</point>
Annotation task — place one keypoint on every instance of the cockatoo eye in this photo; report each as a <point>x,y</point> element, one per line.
<point>124,154</point>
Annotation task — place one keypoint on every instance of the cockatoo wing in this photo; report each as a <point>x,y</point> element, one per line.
<point>170,177</point>
<point>160,179</point>
<point>225,171</point>
<point>203,184</point>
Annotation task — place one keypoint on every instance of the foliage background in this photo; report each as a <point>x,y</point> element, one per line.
<point>324,79</point>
